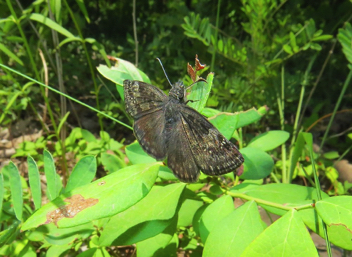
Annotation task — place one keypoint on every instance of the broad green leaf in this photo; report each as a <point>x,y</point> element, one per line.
<point>102,198</point>
<point>227,122</point>
<point>257,163</point>
<point>269,140</point>
<point>83,173</point>
<point>336,212</point>
<point>88,136</point>
<point>62,236</point>
<point>235,232</point>
<point>289,195</point>
<point>287,236</point>
<point>34,182</point>
<point>213,214</point>
<point>189,207</point>
<point>145,219</point>
<point>121,71</point>
<point>16,189</point>
<point>200,93</point>
<point>51,24</point>
<point>158,246</point>
<point>112,162</point>
<point>57,250</point>
<point>51,177</point>
<point>136,154</point>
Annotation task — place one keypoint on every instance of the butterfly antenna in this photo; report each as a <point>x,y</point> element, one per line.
<point>164,71</point>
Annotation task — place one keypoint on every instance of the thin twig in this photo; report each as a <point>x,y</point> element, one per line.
<point>317,81</point>
<point>135,32</point>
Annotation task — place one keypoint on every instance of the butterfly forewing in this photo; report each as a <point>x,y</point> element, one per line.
<point>213,153</point>
<point>142,98</point>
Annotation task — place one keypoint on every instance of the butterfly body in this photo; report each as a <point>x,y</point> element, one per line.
<point>166,127</point>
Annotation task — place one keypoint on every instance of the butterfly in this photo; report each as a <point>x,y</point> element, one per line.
<point>166,127</point>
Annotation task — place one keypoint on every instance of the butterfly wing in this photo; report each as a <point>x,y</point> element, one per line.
<point>179,154</point>
<point>145,102</point>
<point>142,98</point>
<point>213,153</point>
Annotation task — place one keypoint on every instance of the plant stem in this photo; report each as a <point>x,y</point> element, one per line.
<point>65,95</point>
<point>215,37</point>
<point>347,82</point>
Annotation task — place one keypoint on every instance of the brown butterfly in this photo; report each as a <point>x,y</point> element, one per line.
<point>166,127</point>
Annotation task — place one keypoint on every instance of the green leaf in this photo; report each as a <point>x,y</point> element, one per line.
<point>51,178</point>
<point>227,123</point>
<point>112,162</point>
<point>51,24</point>
<point>345,37</point>
<point>16,189</point>
<point>61,236</point>
<point>34,182</point>
<point>98,199</point>
<point>188,208</point>
<point>297,152</point>
<point>293,40</point>
<point>336,213</point>
<point>269,140</point>
<point>10,54</point>
<point>136,154</point>
<point>288,49</point>
<point>158,246</point>
<point>121,71</point>
<point>213,214</point>
<point>331,155</point>
<point>200,93</point>
<point>88,136</point>
<point>315,46</point>
<point>146,219</point>
<point>286,237</point>
<point>257,163</point>
<point>83,173</point>
<point>322,38</point>
<point>235,232</point>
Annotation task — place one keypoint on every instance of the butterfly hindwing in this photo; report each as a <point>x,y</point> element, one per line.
<point>145,103</point>
<point>213,153</point>
<point>149,133</point>
<point>180,158</point>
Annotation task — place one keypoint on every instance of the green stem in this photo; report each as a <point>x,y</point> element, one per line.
<point>268,203</point>
<point>215,37</point>
<point>347,82</point>
<point>89,60</point>
<point>33,64</point>
<point>295,126</point>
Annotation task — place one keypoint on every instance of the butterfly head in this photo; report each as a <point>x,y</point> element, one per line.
<point>177,91</point>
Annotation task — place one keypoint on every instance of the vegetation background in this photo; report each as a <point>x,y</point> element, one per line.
<point>291,60</point>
